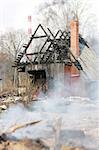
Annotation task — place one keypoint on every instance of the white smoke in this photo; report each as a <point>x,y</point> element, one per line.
<point>78,114</point>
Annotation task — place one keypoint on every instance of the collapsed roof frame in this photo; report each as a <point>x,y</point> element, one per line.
<point>58,50</point>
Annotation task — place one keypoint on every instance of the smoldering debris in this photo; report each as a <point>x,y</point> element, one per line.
<point>24,144</point>
<point>67,121</point>
<point>37,144</point>
<point>28,144</point>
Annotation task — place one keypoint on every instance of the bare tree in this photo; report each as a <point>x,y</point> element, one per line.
<point>10,44</point>
<point>58,13</point>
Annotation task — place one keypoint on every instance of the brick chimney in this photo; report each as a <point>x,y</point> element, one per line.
<point>74,44</point>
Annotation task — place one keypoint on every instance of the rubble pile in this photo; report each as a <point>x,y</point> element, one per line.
<point>24,144</point>
<point>29,144</point>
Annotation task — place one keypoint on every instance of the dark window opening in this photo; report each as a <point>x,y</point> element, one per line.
<point>38,74</point>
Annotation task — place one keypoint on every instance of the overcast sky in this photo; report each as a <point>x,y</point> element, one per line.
<point>13,13</point>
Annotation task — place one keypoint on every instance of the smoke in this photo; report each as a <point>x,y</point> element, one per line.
<point>79,121</point>
<point>63,87</point>
<point>66,119</point>
<point>69,113</point>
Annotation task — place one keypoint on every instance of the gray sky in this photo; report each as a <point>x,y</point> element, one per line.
<point>13,13</point>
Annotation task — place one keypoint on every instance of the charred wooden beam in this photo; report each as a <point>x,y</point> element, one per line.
<point>57,51</point>
<point>37,37</point>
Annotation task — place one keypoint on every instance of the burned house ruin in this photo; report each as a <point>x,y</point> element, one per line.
<point>53,55</point>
